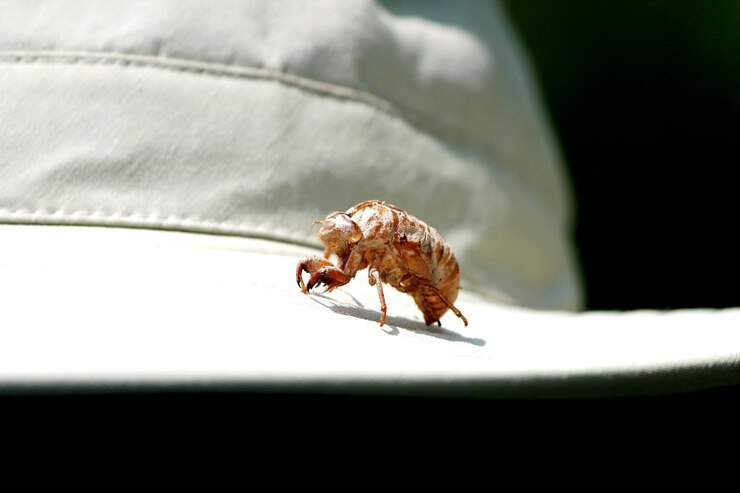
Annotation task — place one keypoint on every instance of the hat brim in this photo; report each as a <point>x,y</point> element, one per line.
<point>127,309</point>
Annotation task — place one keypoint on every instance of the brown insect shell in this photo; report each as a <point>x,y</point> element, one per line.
<point>409,254</point>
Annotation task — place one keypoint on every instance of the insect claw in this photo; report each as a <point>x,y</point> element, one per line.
<point>312,282</point>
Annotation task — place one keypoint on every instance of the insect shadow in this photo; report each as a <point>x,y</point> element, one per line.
<point>393,323</point>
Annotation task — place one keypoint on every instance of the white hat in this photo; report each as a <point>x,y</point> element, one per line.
<point>160,169</point>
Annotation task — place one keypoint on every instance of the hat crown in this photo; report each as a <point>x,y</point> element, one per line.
<point>255,118</point>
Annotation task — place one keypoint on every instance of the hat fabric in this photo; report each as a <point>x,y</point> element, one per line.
<point>162,163</point>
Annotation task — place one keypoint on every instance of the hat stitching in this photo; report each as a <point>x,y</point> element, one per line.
<point>414,117</point>
<point>142,220</point>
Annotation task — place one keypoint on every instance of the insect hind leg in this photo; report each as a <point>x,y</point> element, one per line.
<point>449,305</point>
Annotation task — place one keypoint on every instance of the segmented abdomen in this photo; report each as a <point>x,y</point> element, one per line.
<point>410,255</point>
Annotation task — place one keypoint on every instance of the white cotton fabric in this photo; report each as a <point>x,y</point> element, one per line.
<point>162,161</point>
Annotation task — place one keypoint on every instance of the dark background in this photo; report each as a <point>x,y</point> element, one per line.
<point>645,99</point>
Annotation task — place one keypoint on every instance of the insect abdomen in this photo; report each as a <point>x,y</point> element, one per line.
<point>416,260</point>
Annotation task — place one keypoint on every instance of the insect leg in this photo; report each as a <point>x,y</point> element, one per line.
<point>331,277</point>
<point>450,305</point>
<point>374,279</point>
<point>311,265</point>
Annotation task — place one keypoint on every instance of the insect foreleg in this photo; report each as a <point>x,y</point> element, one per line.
<point>331,277</point>
<point>374,279</point>
<point>311,265</point>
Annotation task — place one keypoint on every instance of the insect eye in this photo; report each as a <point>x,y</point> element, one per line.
<point>356,234</point>
<point>351,230</point>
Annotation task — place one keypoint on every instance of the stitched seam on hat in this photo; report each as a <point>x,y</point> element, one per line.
<point>125,215</point>
<point>139,219</point>
<point>459,136</point>
<point>414,117</point>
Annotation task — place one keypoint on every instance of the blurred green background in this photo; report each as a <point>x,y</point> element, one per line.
<point>645,99</point>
